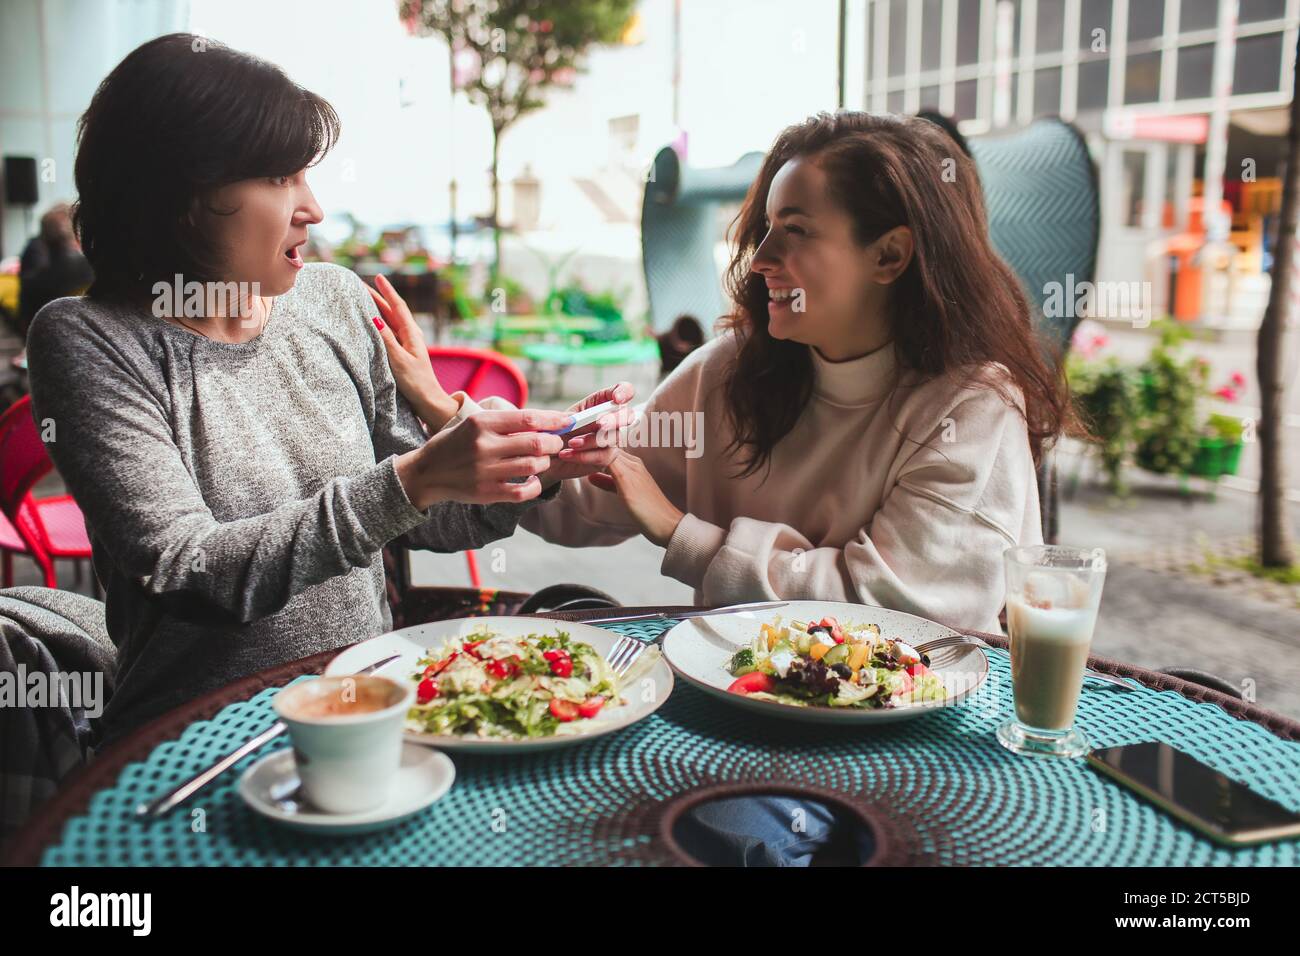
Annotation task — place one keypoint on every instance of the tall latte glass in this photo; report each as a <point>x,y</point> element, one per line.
<point>1052,598</point>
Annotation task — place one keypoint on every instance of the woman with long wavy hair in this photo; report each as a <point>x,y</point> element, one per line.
<point>873,409</point>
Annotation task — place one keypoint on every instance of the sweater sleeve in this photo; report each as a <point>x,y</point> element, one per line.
<point>933,548</point>
<point>448,526</point>
<point>107,432</point>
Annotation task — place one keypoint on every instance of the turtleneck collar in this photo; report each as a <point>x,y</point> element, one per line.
<point>859,381</point>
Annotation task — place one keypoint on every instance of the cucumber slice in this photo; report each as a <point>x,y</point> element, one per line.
<point>839,654</point>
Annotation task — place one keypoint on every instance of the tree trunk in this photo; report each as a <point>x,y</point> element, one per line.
<point>1275,544</point>
<point>496,204</point>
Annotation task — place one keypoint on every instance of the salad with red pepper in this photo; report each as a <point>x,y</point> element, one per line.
<point>511,687</point>
<point>826,663</point>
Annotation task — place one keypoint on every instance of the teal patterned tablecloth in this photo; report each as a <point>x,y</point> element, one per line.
<point>941,780</point>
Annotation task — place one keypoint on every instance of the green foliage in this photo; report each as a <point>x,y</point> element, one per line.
<point>1169,432</point>
<point>1106,398</point>
<point>1226,427</point>
<point>1150,413</point>
<point>523,46</point>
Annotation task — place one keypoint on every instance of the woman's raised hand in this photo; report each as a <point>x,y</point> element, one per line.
<point>408,357</point>
<point>475,460</point>
<point>591,449</point>
<point>628,477</point>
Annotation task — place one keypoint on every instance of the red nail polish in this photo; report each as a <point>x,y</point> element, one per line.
<point>379,323</point>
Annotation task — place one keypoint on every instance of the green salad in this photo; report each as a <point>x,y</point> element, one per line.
<point>511,687</point>
<point>832,665</point>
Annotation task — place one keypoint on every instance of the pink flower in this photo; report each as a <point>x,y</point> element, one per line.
<point>1227,392</point>
<point>1238,379</point>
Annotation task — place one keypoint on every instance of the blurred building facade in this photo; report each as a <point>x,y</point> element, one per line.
<point>1181,101</point>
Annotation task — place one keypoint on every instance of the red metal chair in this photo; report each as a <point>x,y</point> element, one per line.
<point>11,543</point>
<point>478,373</point>
<point>51,528</point>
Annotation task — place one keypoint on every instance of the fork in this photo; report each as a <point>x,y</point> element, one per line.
<point>958,640</point>
<point>624,654</point>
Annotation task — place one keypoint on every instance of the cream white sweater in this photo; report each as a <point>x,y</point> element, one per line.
<point>889,491</point>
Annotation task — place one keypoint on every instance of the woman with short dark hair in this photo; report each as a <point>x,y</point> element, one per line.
<point>225,415</point>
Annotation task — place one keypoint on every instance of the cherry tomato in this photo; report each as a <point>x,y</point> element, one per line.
<point>917,670</point>
<point>562,666</point>
<point>427,690</point>
<point>440,666</point>
<point>751,682</point>
<point>472,649</point>
<point>563,710</point>
<point>591,706</point>
<point>504,668</point>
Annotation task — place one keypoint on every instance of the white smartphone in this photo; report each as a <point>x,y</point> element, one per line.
<point>584,418</point>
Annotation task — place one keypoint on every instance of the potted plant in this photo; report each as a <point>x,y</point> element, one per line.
<point>1169,430</point>
<point>1219,451</point>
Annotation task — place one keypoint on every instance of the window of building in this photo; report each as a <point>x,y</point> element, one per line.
<point>1132,187</point>
<point>897,37</point>
<point>894,101</point>
<point>1142,78</point>
<point>1047,92</point>
<point>1195,71</point>
<point>968,32</point>
<point>1253,11</point>
<point>1146,20</point>
<point>966,100</point>
<point>1258,66</point>
<point>1094,25</point>
<point>1094,84</point>
<point>931,34</point>
<point>930,97</point>
<point>1050,33</point>
<point>1198,15</point>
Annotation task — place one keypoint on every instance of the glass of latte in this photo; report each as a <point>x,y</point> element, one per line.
<point>1053,594</point>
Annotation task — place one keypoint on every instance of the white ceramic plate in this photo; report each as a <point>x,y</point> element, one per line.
<point>699,650</point>
<point>423,776</point>
<point>412,643</point>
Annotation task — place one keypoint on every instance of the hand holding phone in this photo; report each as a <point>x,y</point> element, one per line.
<point>584,418</point>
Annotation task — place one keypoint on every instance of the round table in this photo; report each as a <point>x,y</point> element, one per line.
<point>939,787</point>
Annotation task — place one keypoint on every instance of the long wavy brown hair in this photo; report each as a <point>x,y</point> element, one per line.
<point>957,304</point>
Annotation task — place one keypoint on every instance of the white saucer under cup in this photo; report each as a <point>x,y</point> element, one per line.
<point>269,786</point>
<point>346,760</point>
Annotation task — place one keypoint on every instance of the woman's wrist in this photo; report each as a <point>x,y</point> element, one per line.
<point>412,473</point>
<point>666,526</point>
<point>436,410</point>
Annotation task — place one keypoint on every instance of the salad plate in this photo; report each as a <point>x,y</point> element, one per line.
<point>501,684</point>
<point>825,662</point>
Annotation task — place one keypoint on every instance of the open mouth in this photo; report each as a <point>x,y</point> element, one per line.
<point>294,256</point>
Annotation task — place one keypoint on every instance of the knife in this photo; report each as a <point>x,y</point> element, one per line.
<point>178,795</point>
<point>683,615</point>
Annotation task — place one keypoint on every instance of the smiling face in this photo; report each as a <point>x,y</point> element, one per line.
<point>260,239</point>
<point>824,288</point>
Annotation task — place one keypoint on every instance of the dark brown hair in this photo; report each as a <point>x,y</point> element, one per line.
<point>178,118</point>
<point>955,307</point>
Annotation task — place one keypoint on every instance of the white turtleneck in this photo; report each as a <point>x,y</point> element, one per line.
<point>885,492</point>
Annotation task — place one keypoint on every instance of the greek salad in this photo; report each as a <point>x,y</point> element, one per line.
<point>826,663</point>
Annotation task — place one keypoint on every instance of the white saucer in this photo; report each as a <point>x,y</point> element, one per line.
<point>423,777</point>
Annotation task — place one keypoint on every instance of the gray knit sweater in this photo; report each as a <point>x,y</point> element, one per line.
<point>237,495</point>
